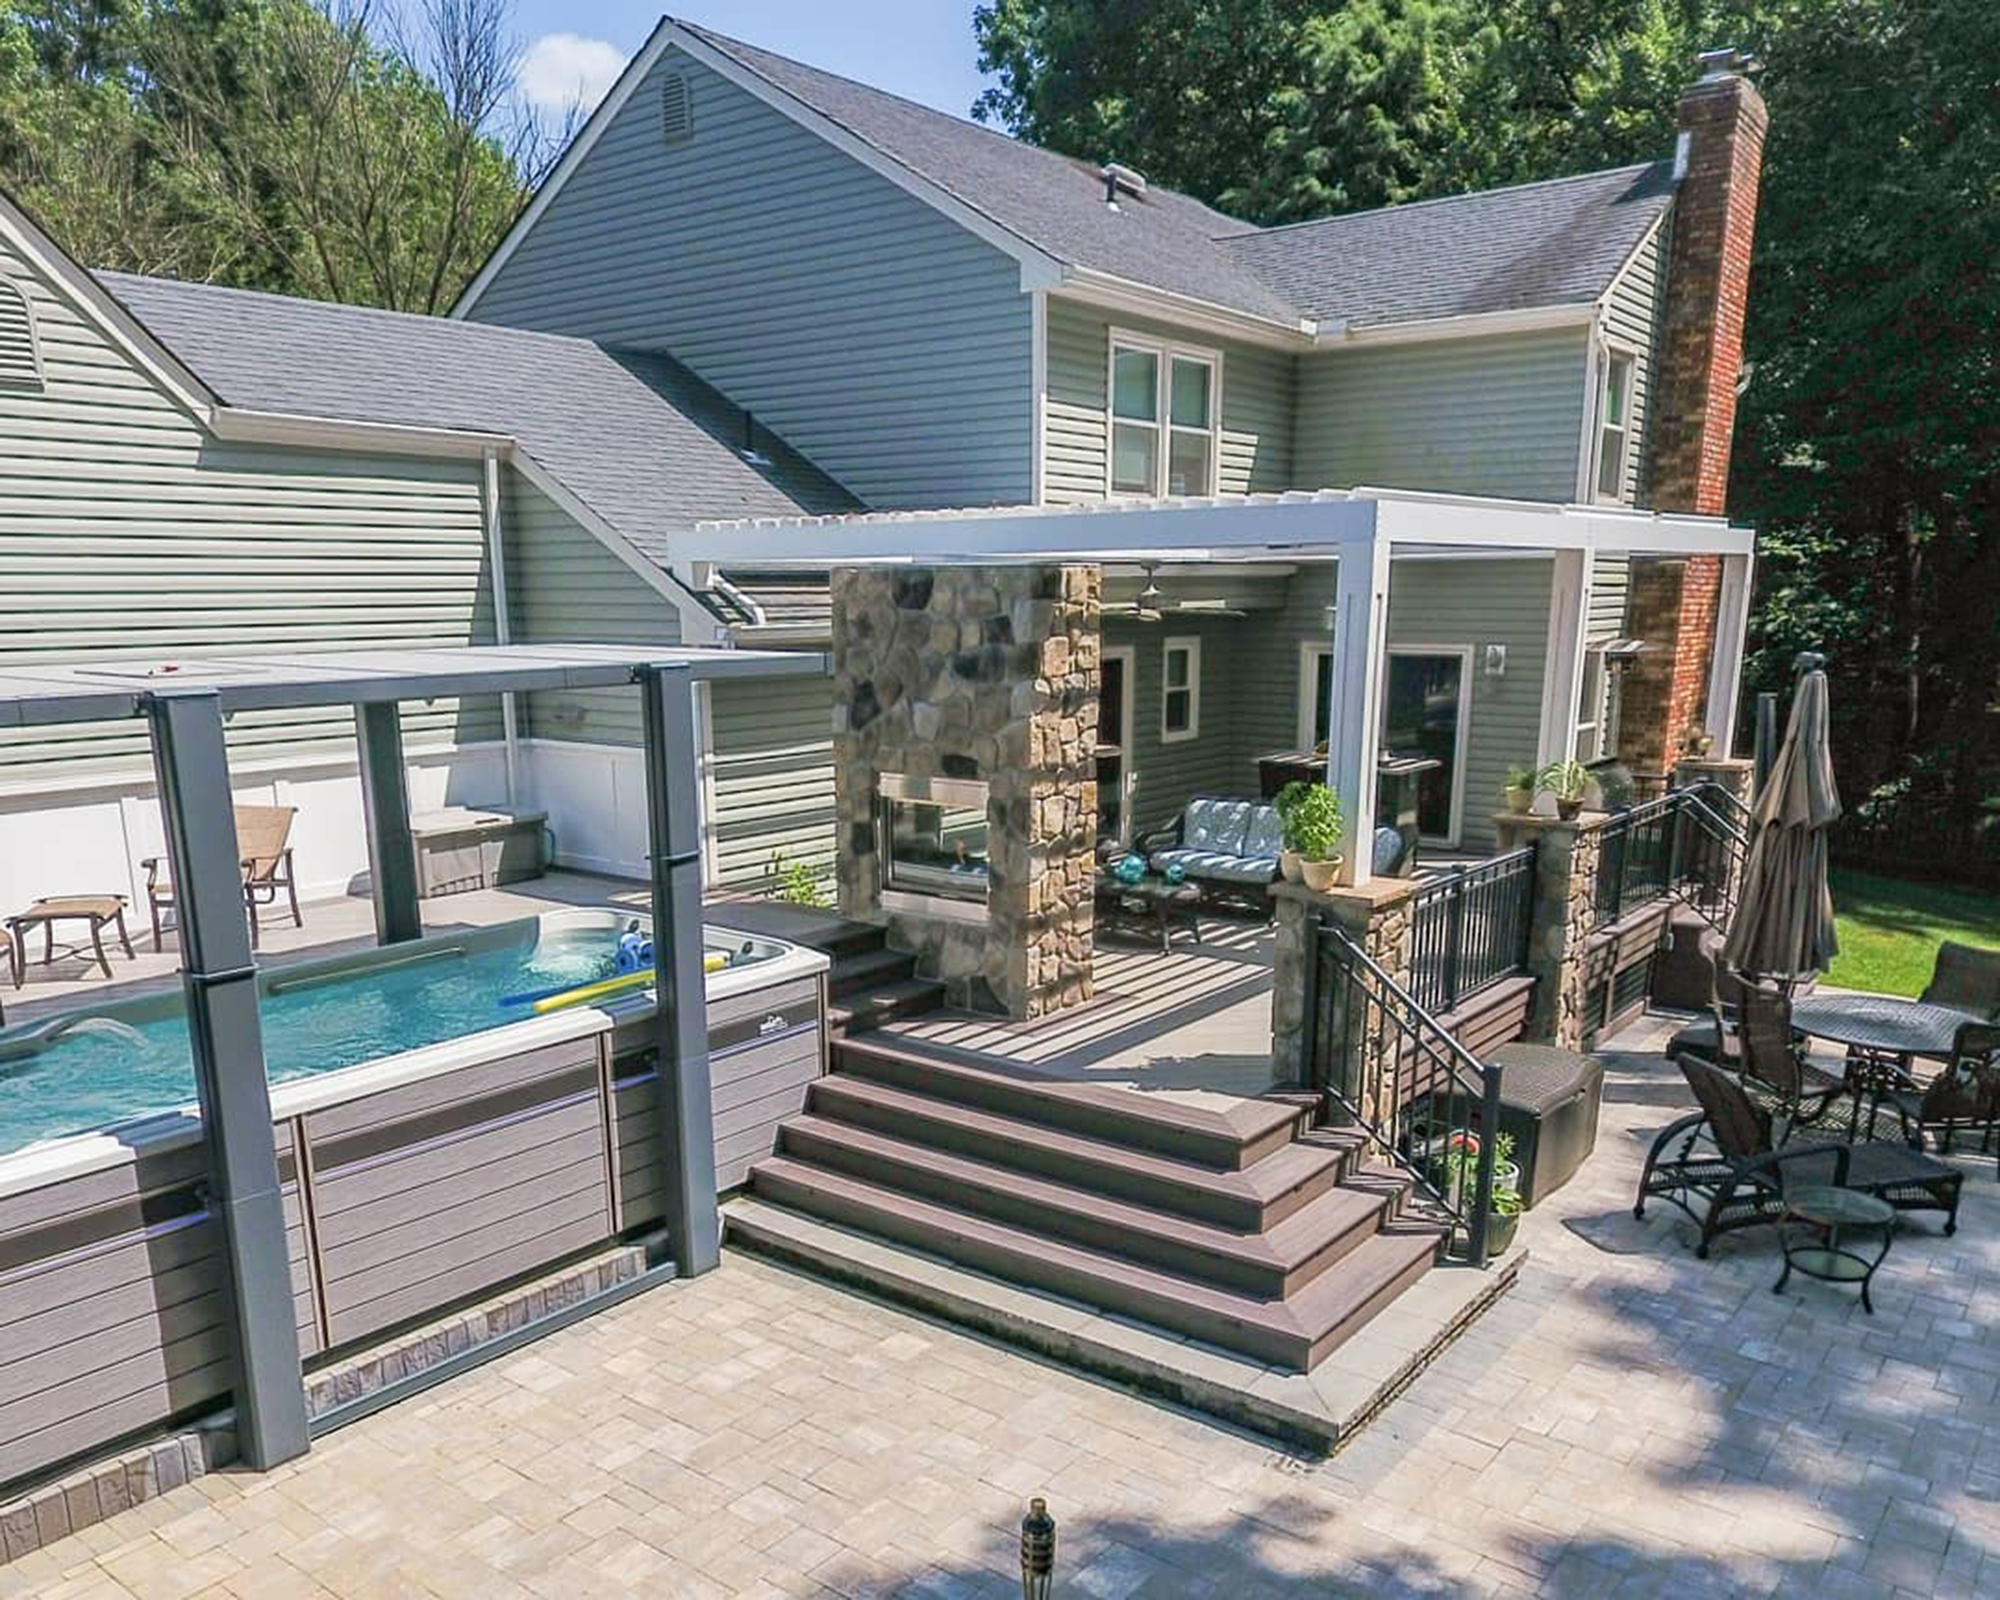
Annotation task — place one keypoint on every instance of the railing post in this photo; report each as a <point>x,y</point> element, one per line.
<point>1315,1025</point>
<point>1454,946</point>
<point>1489,1125</point>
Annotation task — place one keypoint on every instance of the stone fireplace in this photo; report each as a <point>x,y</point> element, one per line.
<point>965,732</point>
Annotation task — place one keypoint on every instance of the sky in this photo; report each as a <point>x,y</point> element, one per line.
<point>922,49</point>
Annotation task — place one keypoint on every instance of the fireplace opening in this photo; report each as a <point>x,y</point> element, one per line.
<point>931,834</point>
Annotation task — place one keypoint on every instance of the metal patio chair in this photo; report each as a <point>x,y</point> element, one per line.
<point>263,835</point>
<point>1965,1095</point>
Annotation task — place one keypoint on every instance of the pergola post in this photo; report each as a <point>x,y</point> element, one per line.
<point>385,803</point>
<point>1562,677</point>
<point>191,765</point>
<point>1354,733</point>
<point>1725,670</point>
<point>680,1019</point>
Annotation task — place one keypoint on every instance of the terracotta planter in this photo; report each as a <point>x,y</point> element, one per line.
<point>1292,865</point>
<point>1321,876</point>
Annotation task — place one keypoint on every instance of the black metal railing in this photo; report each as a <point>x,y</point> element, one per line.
<point>1387,1067</point>
<point>1469,929</point>
<point>1689,843</point>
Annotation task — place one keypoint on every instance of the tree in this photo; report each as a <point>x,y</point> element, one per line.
<point>271,143</point>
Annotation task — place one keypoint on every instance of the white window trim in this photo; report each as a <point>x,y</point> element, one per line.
<point>1167,351</point>
<point>1311,653</point>
<point>1462,738</point>
<point>1590,723</point>
<point>1128,710</point>
<point>1613,351</point>
<point>1192,645</point>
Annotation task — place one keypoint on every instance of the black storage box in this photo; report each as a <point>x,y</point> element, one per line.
<point>1548,1102</point>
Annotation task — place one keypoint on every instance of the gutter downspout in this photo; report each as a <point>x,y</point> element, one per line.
<point>496,563</point>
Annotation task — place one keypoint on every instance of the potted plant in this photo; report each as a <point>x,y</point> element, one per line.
<point>1314,825</point>
<point>1461,1174</point>
<point>1567,782</point>
<point>1520,791</point>
<point>1290,863</point>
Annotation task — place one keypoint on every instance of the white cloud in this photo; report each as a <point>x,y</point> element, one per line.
<point>561,68</point>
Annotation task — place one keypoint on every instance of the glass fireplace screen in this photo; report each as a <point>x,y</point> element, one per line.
<point>933,838</point>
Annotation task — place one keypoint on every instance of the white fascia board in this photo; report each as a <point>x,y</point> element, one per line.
<point>1039,269</point>
<point>1530,525</point>
<point>240,425</point>
<point>107,313</point>
<point>1482,324</point>
<point>699,626</point>
<point>1106,292</point>
<point>1191,532</point>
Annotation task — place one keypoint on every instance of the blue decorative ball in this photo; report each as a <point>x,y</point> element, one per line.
<point>1131,869</point>
<point>1176,873</point>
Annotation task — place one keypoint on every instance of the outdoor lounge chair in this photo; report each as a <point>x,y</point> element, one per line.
<point>1966,980</point>
<point>1228,847</point>
<point>1966,1094</point>
<point>262,835</point>
<point>1724,1156</point>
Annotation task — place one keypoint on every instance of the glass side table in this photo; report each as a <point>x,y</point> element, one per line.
<point>1816,1231</point>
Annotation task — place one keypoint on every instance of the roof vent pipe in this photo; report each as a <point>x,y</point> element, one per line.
<point>1121,180</point>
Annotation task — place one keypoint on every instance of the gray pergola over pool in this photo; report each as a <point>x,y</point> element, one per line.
<point>185,704</point>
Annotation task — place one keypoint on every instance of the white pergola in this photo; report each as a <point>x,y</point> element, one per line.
<point>1362,529</point>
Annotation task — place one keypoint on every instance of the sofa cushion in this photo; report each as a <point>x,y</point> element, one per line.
<point>1265,836</point>
<point>1215,825</point>
<point>1213,866</point>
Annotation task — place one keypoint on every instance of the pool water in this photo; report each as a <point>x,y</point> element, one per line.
<point>105,1069</point>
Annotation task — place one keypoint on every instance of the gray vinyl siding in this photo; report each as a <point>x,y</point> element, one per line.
<point>126,530</point>
<point>1632,319</point>
<point>1255,450</point>
<point>883,341</point>
<point>1610,584</point>
<point>565,587</point>
<point>1167,775</point>
<point>1495,416</point>
<point>1443,603</point>
<point>771,776</point>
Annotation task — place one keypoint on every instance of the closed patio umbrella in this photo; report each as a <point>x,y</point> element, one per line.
<point>1783,926</point>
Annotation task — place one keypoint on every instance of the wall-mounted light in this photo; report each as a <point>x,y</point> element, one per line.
<point>1495,661</point>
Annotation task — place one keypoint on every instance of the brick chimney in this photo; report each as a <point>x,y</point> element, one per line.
<point>1720,157</point>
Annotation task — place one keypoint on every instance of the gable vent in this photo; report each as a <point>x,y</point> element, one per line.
<point>676,109</point>
<point>20,361</point>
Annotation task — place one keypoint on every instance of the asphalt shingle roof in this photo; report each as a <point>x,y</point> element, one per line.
<point>636,437</point>
<point>1504,249</point>
<point>1539,244</point>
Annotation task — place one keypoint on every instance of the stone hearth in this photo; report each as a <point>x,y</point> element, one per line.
<point>988,675</point>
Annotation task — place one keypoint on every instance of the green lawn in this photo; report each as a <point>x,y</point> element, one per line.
<point>1890,929</point>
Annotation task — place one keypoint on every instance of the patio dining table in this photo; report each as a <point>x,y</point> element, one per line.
<point>1881,1025</point>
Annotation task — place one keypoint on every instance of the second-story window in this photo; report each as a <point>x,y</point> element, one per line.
<point>1614,425</point>
<point>1163,417</point>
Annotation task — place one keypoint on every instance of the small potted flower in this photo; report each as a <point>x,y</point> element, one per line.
<point>1520,791</point>
<point>1290,863</point>
<point>1567,782</point>
<point>1314,826</point>
<point>1461,1175</point>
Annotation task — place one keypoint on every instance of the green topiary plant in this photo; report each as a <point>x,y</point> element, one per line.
<point>1315,823</point>
<point>1285,802</point>
<point>796,883</point>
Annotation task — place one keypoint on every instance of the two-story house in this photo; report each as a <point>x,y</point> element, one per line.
<point>940,316</point>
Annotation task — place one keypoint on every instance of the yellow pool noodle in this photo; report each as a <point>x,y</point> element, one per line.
<point>711,961</point>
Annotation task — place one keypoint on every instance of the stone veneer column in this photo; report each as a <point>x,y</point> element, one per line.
<point>988,674</point>
<point>1564,916</point>
<point>1376,918</point>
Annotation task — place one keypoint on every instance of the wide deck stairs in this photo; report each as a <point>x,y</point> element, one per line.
<point>1220,1219</point>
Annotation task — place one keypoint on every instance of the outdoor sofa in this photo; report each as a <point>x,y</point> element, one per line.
<point>1227,847</point>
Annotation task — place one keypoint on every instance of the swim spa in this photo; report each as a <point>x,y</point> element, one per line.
<point>433,1144</point>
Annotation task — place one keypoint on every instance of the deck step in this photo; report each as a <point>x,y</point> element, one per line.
<point>1255,1198</point>
<point>1294,1332</point>
<point>1229,1139</point>
<point>870,969</point>
<point>873,1005</point>
<point>1268,1264</point>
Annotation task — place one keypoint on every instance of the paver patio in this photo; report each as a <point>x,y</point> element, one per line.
<point>1628,1422</point>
